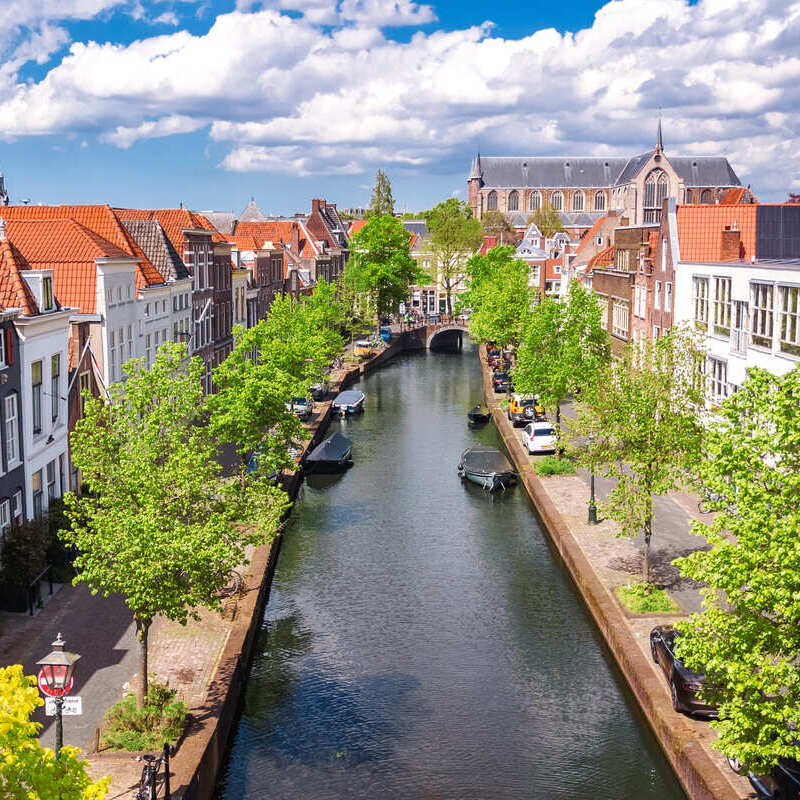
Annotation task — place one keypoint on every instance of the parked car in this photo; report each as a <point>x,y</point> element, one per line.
<point>501,382</point>
<point>683,683</point>
<point>539,438</point>
<point>319,391</point>
<point>783,783</point>
<point>301,407</point>
<point>520,408</point>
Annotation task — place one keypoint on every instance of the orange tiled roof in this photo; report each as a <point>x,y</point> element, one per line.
<point>605,258</point>
<point>276,231</point>
<point>549,267</point>
<point>14,292</point>
<point>700,230</point>
<point>737,195</point>
<point>590,234</point>
<point>356,225</point>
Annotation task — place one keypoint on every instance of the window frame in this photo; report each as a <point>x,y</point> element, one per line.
<point>11,426</point>
<point>723,305</point>
<point>700,301</point>
<point>36,398</point>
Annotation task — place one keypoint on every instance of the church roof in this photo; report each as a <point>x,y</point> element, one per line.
<point>704,171</point>
<point>551,172</point>
<point>252,213</point>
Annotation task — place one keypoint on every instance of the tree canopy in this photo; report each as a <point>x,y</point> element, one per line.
<point>495,223</point>
<point>641,427</point>
<point>498,294</point>
<point>455,235</point>
<point>547,220</point>
<point>29,771</point>
<point>562,347</point>
<point>747,638</point>
<point>380,265</point>
<point>157,525</point>
<point>382,202</point>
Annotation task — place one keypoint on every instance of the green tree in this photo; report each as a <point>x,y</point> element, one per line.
<point>455,235</point>
<point>547,220</point>
<point>382,202</point>
<point>157,525</point>
<point>640,422</point>
<point>29,771</point>
<point>563,345</point>
<point>496,224</point>
<point>747,638</point>
<point>498,294</point>
<point>380,266</point>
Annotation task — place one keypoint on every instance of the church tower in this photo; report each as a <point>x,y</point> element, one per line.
<point>4,199</point>
<point>473,187</point>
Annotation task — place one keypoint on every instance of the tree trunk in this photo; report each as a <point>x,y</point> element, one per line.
<point>558,413</point>
<point>449,303</point>
<point>142,628</point>
<point>648,532</point>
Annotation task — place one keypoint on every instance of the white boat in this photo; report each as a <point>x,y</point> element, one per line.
<point>348,402</point>
<point>487,467</point>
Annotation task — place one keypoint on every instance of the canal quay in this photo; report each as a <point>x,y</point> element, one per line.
<point>421,639</point>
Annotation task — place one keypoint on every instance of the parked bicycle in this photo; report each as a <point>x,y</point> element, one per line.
<point>148,783</point>
<point>233,585</point>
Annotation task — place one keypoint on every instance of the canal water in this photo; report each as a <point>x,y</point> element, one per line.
<point>421,641</point>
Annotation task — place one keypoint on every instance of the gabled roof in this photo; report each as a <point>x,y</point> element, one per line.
<point>605,258</point>
<point>252,212</point>
<point>591,233</point>
<point>546,172</point>
<point>174,221</point>
<point>416,226</point>
<point>14,292</point>
<point>700,230</point>
<point>155,244</point>
<point>580,219</point>
<point>357,224</point>
<point>223,221</point>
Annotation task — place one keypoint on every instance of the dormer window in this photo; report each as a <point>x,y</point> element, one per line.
<point>47,294</point>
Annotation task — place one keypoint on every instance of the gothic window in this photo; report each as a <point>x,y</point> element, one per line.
<point>513,201</point>
<point>491,201</point>
<point>656,187</point>
<point>577,201</point>
<point>706,197</point>
<point>535,201</point>
<point>557,201</point>
<point>600,201</point>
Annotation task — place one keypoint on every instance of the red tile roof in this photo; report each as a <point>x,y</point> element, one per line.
<point>605,258</point>
<point>550,265</point>
<point>737,195</point>
<point>14,292</point>
<point>700,230</point>
<point>356,225</point>
<point>590,234</point>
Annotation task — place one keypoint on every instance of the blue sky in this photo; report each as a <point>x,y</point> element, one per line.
<point>209,102</point>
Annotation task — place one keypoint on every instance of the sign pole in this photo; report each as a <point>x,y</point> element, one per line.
<point>59,725</point>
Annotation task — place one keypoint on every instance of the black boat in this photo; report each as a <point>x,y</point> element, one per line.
<point>332,455</point>
<point>487,467</point>
<point>479,415</point>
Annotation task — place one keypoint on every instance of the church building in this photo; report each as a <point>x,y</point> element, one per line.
<point>633,187</point>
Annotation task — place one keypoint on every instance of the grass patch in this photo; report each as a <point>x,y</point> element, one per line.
<point>644,598</point>
<point>126,727</point>
<point>553,465</point>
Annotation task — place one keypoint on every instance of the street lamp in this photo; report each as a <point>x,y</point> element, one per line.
<point>56,675</point>
<point>592,503</point>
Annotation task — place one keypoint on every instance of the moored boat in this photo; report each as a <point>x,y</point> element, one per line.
<point>332,455</point>
<point>478,415</point>
<point>348,402</point>
<point>487,467</point>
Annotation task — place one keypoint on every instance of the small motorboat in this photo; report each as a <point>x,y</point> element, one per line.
<point>348,402</point>
<point>487,467</point>
<point>479,415</point>
<point>332,455</point>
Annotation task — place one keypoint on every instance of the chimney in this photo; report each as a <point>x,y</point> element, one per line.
<point>295,240</point>
<point>315,203</point>
<point>730,245</point>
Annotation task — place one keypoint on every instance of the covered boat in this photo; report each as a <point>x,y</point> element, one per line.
<point>487,467</point>
<point>332,455</point>
<point>349,402</point>
<point>478,415</point>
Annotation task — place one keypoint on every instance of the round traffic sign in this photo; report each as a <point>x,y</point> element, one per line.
<point>45,689</point>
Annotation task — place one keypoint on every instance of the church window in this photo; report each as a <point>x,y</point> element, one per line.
<point>577,201</point>
<point>705,197</point>
<point>600,201</point>
<point>491,201</point>
<point>557,201</point>
<point>656,187</point>
<point>535,201</point>
<point>513,201</point>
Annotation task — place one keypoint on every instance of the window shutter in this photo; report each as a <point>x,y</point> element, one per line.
<point>9,344</point>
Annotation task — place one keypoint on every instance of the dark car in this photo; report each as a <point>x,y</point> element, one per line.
<point>783,783</point>
<point>683,683</point>
<point>501,382</point>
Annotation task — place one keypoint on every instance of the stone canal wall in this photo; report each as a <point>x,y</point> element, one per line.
<point>700,776</point>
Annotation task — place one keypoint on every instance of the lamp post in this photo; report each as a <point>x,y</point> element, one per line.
<point>592,503</point>
<point>55,680</point>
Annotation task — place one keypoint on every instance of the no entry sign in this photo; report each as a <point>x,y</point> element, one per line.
<point>45,689</point>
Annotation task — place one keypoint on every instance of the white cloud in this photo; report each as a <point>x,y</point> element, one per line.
<point>293,95</point>
<point>167,18</point>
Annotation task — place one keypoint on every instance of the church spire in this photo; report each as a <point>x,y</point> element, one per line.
<point>659,140</point>
<point>476,168</point>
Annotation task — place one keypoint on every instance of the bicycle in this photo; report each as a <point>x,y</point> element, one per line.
<point>148,783</point>
<point>233,585</point>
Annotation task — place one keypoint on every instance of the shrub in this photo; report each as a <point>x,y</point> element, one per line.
<point>553,465</point>
<point>645,598</point>
<point>160,720</point>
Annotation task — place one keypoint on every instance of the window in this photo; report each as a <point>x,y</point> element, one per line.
<point>600,201</point>
<point>706,196</point>
<point>657,297</point>
<point>5,516</point>
<point>128,291</point>
<point>12,430</point>
<point>38,498</point>
<point>491,201</point>
<point>175,331</point>
<point>55,374</point>
<point>119,294</point>
<point>602,301</point>
<point>656,332</point>
<point>535,201</point>
<point>619,325</point>
<point>16,507</point>
<point>36,386</point>
<point>557,201</point>
<point>147,309</point>
<point>51,481</point>
<point>513,201</point>
<point>717,380</point>
<point>164,335</point>
<point>663,255</point>
<point>722,306</point>
<point>3,345</point>
<point>112,357</point>
<point>577,201</point>
<point>47,293</point>
<point>83,384</point>
<point>700,296</point>
<point>668,296</point>
<point>147,349</point>
<point>175,303</point>
<point>109,298</point>
<point>790,319</point>
<point>656,187</point>
<point>130,341</point>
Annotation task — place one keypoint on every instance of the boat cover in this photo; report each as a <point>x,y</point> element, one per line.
<point>348,398</point>
<point>485,460</point>
<point>333,449</point>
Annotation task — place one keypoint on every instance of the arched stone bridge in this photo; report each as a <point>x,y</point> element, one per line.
<point>423,336</point>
